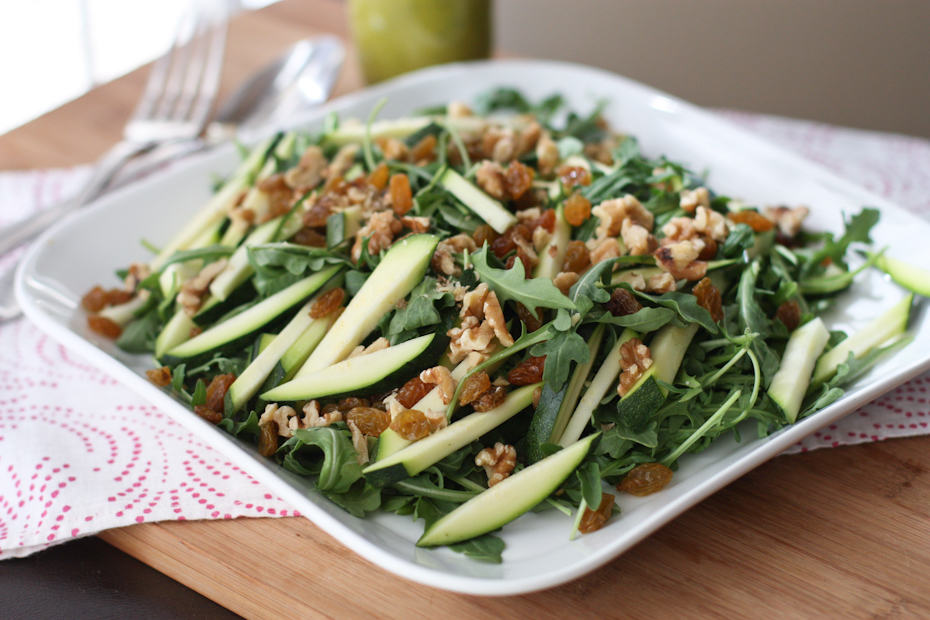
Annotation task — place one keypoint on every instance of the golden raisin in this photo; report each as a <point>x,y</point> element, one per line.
<point>754,219</point>
<point>370,421</point>
<point>95,299</point>
<point>545,220</point>
<point>159,376</point>
<point>577,209</point>
<point>316,216</point>
<point>484,234</point>
<point>577,257</point>
<point>709,251</point>
<point>528,371</point>
<point>789,313</point>
<point>424,149</point>
<point>268,438</point>
<point>401,196</point>
<point>216,391</point>
<point>116,296</point>
<point>518,179</point>
<point>412,391</point>
<point>622,303</point>
<point>379,176</point>
<point>645,479</point>
<point>208,414</point>
<point>593,520</point>
<point>573,175</point>
<point>351,402</point>
<point>532,322</point>
<point>327,303</point>
<point>708,297</point>
<point>309,237</point>
<point>490,399</point>
<point>104,326</point>
<point>411,424</point>
<point>475,386</point>
<point>503,245</point>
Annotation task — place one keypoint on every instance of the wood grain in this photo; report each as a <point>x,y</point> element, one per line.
<point>839,533</point>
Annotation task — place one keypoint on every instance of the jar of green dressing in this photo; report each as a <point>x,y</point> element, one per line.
<point>395,36</point>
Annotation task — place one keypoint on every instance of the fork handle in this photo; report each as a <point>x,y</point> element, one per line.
<point>106,167</point>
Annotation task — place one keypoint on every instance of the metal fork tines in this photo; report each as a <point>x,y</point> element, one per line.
<point>181,88</point>
<point>174,107</point>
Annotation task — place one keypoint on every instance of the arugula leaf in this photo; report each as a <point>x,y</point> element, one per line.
<point>589,475</point>
<point>139,336</point>
<point>337,471</point>
<point>207,254</point>
<point>751,314</point>
<point>359,500</point>
<point>199,396</point>
<point>589,287</point>
<point>249,426</point>
<point>741,237</point>
<point>685,306</point>
<point>560,351</point>
<point>420,310</point>
<point>644,320</point>
<point>512,284</point>
<point>485,548</point>
<point>278,265</point>
<point>858,229</point>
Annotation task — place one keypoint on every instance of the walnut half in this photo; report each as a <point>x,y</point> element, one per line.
<point>498,462</point>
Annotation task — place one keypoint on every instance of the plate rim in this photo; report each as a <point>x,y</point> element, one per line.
<point>372,552</point>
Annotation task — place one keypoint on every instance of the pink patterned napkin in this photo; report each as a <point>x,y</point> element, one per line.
<point>79,453</point>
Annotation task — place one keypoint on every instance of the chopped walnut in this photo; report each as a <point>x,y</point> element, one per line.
<point>678,229</point>
<point>603,249</point>
<point>394,149</point>
<point>458,109</point>
<point>308,173</point>
<point>499,143</point>
<point>379,230</point>
<point>457,289</point>
<point>342,161</point>
<point>635,359</point>
<point>611,214</point>
<point>691,199</point>
<point>711,223</point>
<point>278,194</point>
<point>313,417</point>
<point>638,240</point>
<point>281,416</point>
<point>481,320</point>
<point>660,283</point>
<point>441,377</point>
<point>137,273</point>
<point>498,462</point>
<point>547,154</point>
<point>681,259</point>
<point>528,137</point>
<point>192,292</point>
<point>541,238</point>
<point>634,278</point>
<point>443,259</point>
<point>788,220</point>
<point>565,280</point>
<point>529,256</point>
<point>359,442</point>
<point>437,419</point>
<point>490,178</point>
<point>378,345</point>
<point>415,224</point>
<point>528,216</point>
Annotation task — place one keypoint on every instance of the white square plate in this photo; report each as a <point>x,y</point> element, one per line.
<point>85,248</point>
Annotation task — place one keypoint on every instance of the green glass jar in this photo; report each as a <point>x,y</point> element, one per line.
<point>395,36</point>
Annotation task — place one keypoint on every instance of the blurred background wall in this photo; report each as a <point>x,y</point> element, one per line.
<point>863,63</point>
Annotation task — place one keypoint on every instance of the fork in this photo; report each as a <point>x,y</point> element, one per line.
<point>181,88</point>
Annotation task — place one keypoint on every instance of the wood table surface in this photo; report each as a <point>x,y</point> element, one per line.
<point>843,532</point>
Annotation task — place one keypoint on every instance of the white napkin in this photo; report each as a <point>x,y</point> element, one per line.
<point>79,453</point>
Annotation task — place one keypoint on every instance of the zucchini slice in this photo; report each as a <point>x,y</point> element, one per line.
<point>911,277</point>
<point>603,379</point>
<point>508,499</point>
<point>251,320</point>
<point>399,271</point>
<point>421,454</point>
<point>356,375</point>
<point>891,323</point>
<point>790,382</point>
<point>488,209</point>
<point>668,348</point>
<point>552,256</point>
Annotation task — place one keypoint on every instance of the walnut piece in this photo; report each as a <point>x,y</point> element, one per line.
<point>441,377</point>
<point>192,292</point>
<point>378,345</point>
<point>443,259</point>
<point>711,223</point>
<point>342,161</point>
<point>565,280</point>
<point>481,320</point>
<point>359,442</point>
<point>681,259</point>
<point>308,173</point>
<point>603,249</point>
<point>490,178</point>
<point>379,230</point>
<point>498,462</point>
<point>638,240</point>
<point>691,199</point>
<point>635,358</point>
<point>611,214</point>
<point>547,154</point>
<point>788,220</point>
<point>458,109</point>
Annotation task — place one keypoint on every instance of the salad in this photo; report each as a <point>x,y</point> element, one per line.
<point>491,308</point>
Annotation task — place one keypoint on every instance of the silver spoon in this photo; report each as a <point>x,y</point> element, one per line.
<point>301,78</point>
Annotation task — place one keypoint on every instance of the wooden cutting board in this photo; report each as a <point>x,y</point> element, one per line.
<point>839,533</point>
